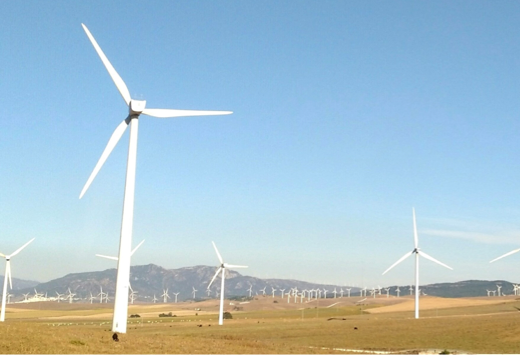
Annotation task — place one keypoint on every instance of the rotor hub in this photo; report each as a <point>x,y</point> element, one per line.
<point>137,106</point>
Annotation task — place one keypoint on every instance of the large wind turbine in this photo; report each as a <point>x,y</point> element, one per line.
<point>136,108</point>
<point>417,251</point>
<point>8,276</point>
<point>222,268</point>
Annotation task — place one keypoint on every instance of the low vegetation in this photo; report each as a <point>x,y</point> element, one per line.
<point>347,329</point>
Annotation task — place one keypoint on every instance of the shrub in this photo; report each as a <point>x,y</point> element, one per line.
<point>227,315</point>
<point>77,342</point>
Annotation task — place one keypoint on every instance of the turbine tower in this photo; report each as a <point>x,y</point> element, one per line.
<point>136,108</point>
<point>222,268</point>
<point>8,276</point>
<point>417,251</point>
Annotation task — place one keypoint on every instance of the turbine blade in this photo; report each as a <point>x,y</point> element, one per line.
<point>215,276</point>
<point>135,249</point>
<point>507,254</point>
<point>120,84</point>
<point>218,254</point>
<point>2,255</point>
<point>425,255</point>
<point>112,142</point>
<point>164,113</point>
<point>233,266</point>
<point>415,237</point>
<point>108,257</point>
<point>21,248</point>
<point>399,261</point>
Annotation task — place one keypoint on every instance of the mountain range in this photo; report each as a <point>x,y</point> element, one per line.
<point>152,280</point>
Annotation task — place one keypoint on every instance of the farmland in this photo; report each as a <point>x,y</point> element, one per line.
<point>269,326</point>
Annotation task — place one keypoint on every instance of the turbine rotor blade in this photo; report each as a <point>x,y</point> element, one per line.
<point>108,257</point>
<point>120,84</point>
<point>135,249</point>
<point>507,254</point>
<point>425,255</point>
<point>164,113</point>
<point>399,261</point>
<point>218,254</point>
<point>215,276</point>
<point>415,237</point>
<point>233,266</point>
<point>21,248</point>
<point>112,142</point>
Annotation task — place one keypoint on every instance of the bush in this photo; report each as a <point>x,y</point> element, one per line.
<point>227,315</point>
<point>135,316</point>
<point>162,315</point>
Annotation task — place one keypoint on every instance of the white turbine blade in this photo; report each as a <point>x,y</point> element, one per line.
<point>215,276</point>
<point>233,266</point>
<point>399,261</point>
<point>421,253</point>
<point>108,257</point>
<point>218,254</point>
<point>120,84</point>
<point>415,237</point>
<point>112,142</point>
<point>2,255</point>
<point>507,254</point>
<point>21,248</point>
<point>135,249</point>
<point>164,113</point>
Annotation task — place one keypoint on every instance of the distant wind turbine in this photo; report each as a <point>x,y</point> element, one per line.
<point>8,276</point>
<point>222,268</point>
<point>417,251</point>
<point>136,108</point>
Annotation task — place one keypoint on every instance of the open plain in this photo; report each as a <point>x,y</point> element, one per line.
<point>270,326</point>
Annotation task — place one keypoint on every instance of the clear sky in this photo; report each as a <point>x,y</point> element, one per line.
<point>346,115</point>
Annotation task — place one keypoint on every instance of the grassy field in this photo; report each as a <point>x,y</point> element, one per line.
<point>265,328</point>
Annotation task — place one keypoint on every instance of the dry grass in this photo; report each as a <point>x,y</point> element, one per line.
<point>471,327</point>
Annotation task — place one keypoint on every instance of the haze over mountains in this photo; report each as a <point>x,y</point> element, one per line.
<point>149,280</point>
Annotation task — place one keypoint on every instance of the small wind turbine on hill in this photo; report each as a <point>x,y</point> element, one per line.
<point>136,108</point>
<point>417,251</point>
<point>222,268</point>
<point>8,276</point>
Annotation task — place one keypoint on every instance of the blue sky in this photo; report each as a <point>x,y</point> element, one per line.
<point>346,115</point>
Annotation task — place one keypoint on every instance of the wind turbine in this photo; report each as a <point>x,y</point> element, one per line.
<point>176,294</point>
<point>195,292</point>
<point>222,268</point>
<point>136,108</point>
<point>58,296</point>
<point>8,276</point>
<point>165,295</point>
<point>70,296</point>
<point>417,251</point>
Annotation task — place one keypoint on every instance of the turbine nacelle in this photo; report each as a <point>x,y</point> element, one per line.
<point>136,106</point>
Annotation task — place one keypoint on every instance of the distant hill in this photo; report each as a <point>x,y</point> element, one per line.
<point>150,280</point>
<point>471,288</point>
<point>19,284</point>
